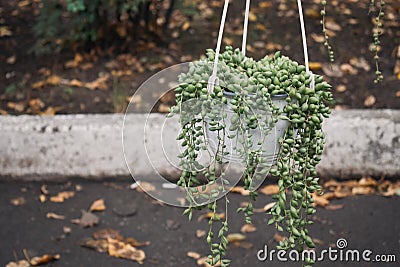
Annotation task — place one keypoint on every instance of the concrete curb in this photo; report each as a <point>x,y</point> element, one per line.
<point>359,142</point>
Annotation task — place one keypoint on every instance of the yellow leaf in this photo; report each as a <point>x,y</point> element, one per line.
<point>315,65</point>
<point>98,205</point>
<point>186,26</point>
<point>252,17</point>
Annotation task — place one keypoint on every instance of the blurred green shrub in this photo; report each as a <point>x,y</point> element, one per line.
<point>83,23</point>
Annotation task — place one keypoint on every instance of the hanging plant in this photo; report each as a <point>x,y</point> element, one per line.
<point>265,115</point>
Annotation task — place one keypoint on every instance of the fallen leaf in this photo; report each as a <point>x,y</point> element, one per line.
<point>318,241</point>
<point>248,228</point>
<point>360,190</point>
<point>252,17</point>
<point>240,190</point>
<point>270,190</point>
<point>19,107</point>
<point>50,111</point>
<point>52,215</point>
<point>185,26</point>
<point>235,237</point>
<point>318,38</point>
<point>132,241</point>
<point>203,262</point>
<point>313,13</point>
<point>11,60</point>
<point>60,197</point>
<point>200,233</point>
<point>99,83</point>
<point>347,68</point>
<point>53,80</point>
<point>42,198</point>
<point>87,219</point>
<point>21,263</point>
<point>398,92</point>
<point>333,26</point>
<point>36,104</point>
<point>162,108</point>
<point>278,237</point>
<point>120,249</point>
<point>266,207</point>
<point>46,258</point>
<point>243,244</point>
<point>107,233</point>
<point>361,63</point>
<point>98,205</point>
<point>315,65</point>
<point>18,201</point>
<point>265,4</point>
<point>100,245</point>
<point>24,3</point>
<point>145,187</point>
<point>210,215</point>
<point>341,88</point>
<point>5,31</point>
<point>332,70</point>
<point>369,101</point>
<point>75,83</point>
<point>367,181</point>
<point>334,207</point>
<point>44,190</point>
<point>321,201</point>
<point>193,255</point>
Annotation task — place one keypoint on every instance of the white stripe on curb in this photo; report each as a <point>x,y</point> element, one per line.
<point>359,142</point>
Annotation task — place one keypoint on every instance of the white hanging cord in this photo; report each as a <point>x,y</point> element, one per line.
<point>245,26</point>
<point>213,78</point>
<point>304,38</point>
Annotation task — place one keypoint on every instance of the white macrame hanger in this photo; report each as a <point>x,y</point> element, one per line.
<point>304,39</point>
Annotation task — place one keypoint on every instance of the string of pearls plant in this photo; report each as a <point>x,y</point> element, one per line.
<point>241,104</point>
<point>377,32</point>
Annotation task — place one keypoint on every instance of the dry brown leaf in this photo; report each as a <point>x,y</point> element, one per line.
<point>270,189</point>
<point>367,181</point>
<point>21,263</point>
<point>333,26</point>
<point>209,215</point>
<point>266,207</point>
<point>19,107</point>
<point>123,250</point>
<point>185,26</point>
<point>52,215</point>
<point>248,228</point>
<point>318,38</point>
<point>107,233</point>
<point>50,111</point>
<point>341,88</point>
<point>162,108</point>
<point>243,244</point>
<point>265,4</point>
<point>240,190</point>
<point>278,237</point>
<point>315,65</point>
<point>342,194</point>
<point>42,198</point>
<point>132,241</point>
<point>347,68</point>
<point>24,3</point>
<point>60,197</point>
<point>252,17</point>
<point>75,83</point>
<point>5,31</point>
<point>235,237</point>
<point>44,190</point>
<point>18,201</point>
<point>145,187</point>
<point>193,255</point>
<point>36,104</point>
<point>200,233</point>
<point>398,92</point>
<point>361,190</point>
<point>313,13</point>
<point>203,262</point>
<point>369,101</point>
<point>100,245</point>
<point>98,205</point>
<point>87,219</point>
<point>46,258</point>
<point>321,201</point>
<point>99,83</point>
<point>11,60</point>
<point>334,207</point>
<point>53,80</point>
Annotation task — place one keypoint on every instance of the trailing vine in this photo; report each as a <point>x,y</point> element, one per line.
<point>376,33</point>
<point>324,31</point>
<point>241,105</point>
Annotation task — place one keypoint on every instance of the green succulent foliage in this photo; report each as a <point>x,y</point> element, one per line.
<point>254,84</point>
